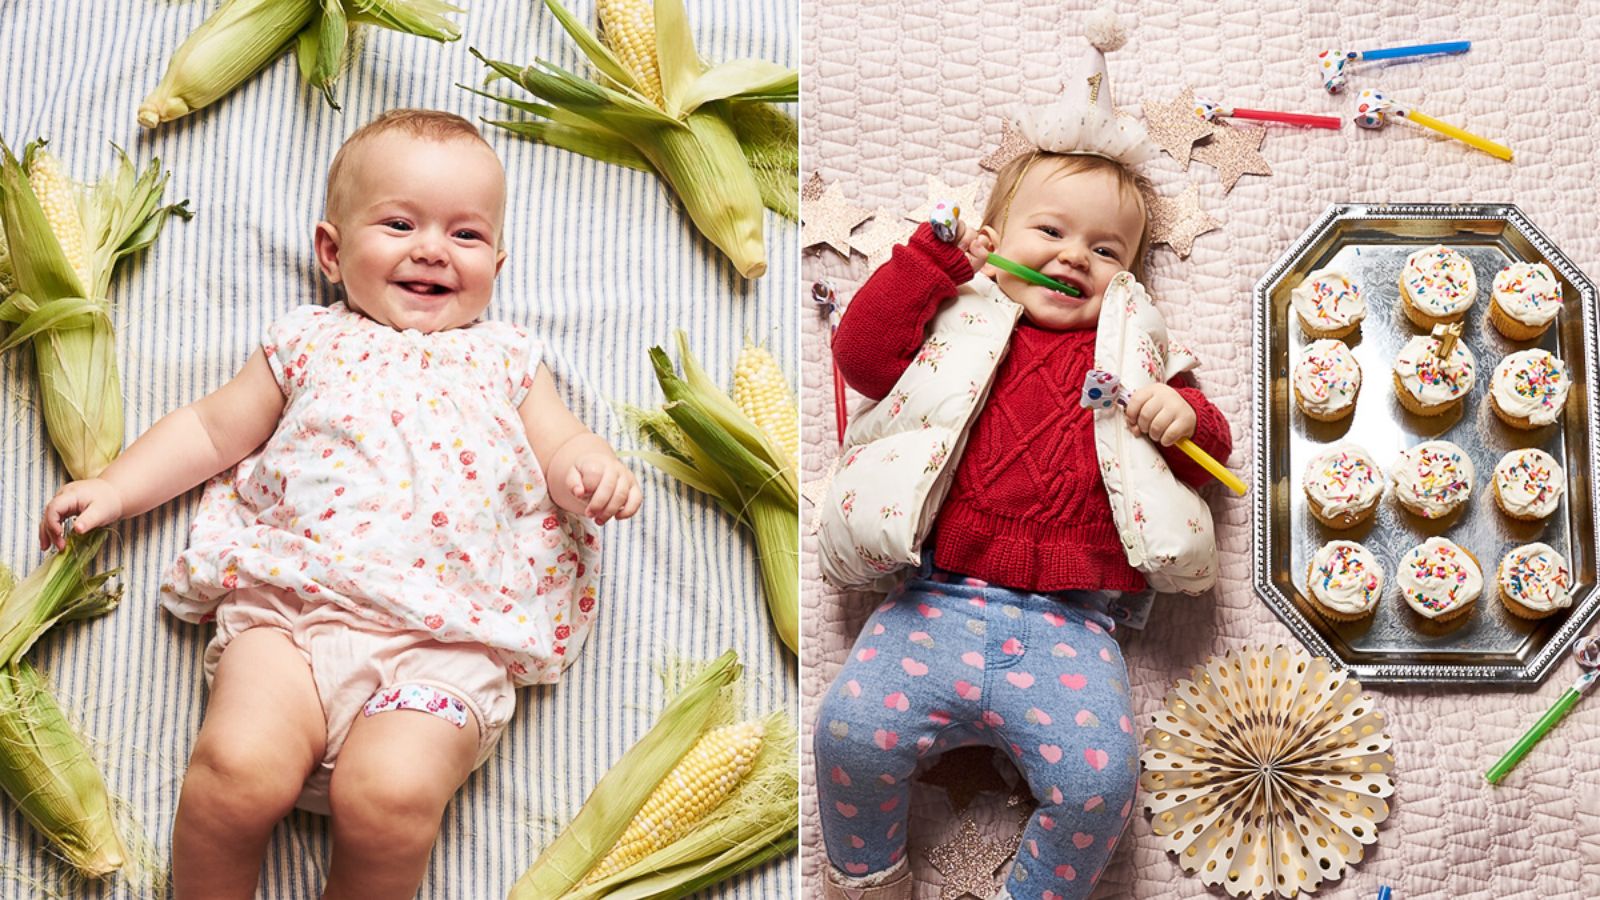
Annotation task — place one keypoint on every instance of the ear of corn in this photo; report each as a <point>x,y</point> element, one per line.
<point>704,439</point>
<point>65,242</point>
<point>59,590</point>
<point>243,36</point>
<point>706,775</point>
<point>743,814</point>
<point>681,120</point>
<point>763,395</point>
<point>614,801</point>
<point>49,774</point>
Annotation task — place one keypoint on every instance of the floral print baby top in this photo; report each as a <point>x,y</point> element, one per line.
<point>400,485</point>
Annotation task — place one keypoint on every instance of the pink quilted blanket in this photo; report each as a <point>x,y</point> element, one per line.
<point>899,92</point>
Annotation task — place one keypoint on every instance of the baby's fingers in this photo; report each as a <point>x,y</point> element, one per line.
<point>631,504</point>
<point>575,483</point>
<point>599,504</point>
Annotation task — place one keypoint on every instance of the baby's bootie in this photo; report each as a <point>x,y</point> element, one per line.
<point>893,884</point>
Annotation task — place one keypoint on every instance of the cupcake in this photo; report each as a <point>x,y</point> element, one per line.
<point>1343,486</point>
<point>1534,581</point>
<point>1437,286</point>
<point>1439,580</point>
<point>1326,381</point>
<point>1329,304</point>
<point>1344,581</point>
<point>1528,484</point>
<point>1529,389</point>
<point>1433,479</point>
<point>1428,385</point>
<point>1525,301</point>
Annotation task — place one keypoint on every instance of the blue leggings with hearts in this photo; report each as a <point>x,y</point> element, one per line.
<point>948,661</point>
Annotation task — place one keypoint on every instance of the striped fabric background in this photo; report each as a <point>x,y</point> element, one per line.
<point>602,265</point>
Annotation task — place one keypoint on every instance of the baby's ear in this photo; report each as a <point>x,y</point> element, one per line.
<point>326,241</point>
<point>986,239</point>
<point>499,261</point>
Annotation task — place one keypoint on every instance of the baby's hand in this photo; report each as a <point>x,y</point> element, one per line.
<point>977,255</point>
<point>1160,413</point>
<point>602,479</point>
<point>94,501</point>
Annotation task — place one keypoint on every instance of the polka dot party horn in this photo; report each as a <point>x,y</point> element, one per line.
<point>1331,63</point>
<point>1373,110</point>
<point>1210,110</point>
<point>1102,390</point>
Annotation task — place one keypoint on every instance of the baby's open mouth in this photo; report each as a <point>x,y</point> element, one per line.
<point>425,288</point>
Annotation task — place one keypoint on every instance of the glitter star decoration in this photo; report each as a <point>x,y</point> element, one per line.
<point>965,773</point>
<point>829,220</point>
<point>877,240</point>
<point>1233,149</point>
<point>1012,145</point>
<point>967,862</point>
<point>1175,127</point>
<point>965,197</point>
<point>1177,221</point>
<point>811,191</point>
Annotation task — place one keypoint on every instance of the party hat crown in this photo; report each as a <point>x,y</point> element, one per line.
<point>1083,120</point>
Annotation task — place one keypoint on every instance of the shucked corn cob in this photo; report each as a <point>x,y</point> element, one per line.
<point>706,775</point>
<point>763,394</point>
<point>707,442</point>
<point>707,132</point>
<point>65,240</point>
<point>244,36</point>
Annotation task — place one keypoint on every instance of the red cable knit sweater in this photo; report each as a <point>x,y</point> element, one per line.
<point>1028,509</point>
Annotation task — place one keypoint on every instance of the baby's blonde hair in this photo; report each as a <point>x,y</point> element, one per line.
<point>1131,184</point>
<point>429,124</point>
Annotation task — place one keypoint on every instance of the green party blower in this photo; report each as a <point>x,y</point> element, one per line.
<point>944,218</point>
<point>1588,653</point>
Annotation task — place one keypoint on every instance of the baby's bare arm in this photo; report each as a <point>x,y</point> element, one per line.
<point>581,470</point>
<point>182,450</point>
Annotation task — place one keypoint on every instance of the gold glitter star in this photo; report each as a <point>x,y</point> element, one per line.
<point>829,220</point>
<point>877,240</point>
<point>1175,127</point>
<point>811,191</point>
<point>1012,145</point>
<point>964,196</point>
<point>968,862</point>
<point>965,773</point>
<point>1177,221</point>
<point>1233,150</point>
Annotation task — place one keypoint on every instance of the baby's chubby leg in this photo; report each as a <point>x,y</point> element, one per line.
<point>263,733</point>
<point>395,775</point>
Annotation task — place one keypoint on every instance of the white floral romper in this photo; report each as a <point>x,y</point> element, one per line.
<point>400,487</point>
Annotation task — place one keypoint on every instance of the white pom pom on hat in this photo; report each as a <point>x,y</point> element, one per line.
<point>1083,120</point>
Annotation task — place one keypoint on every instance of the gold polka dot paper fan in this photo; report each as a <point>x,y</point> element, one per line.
<point>1267,772</point>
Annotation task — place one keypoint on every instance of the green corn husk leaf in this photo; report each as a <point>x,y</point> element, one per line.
<point>690,140</point>
<point>65,314</point>
<point>61,589</point>
<point>47,771</point>
<point>8,275</point>
<point>747,829</point>
<point>423,18</point>
<point>614,801</point>
<point>771,142</point>
<point>704,440</point>
<point>320,47</point>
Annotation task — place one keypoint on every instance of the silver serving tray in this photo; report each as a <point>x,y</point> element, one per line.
<point>1370,243</point>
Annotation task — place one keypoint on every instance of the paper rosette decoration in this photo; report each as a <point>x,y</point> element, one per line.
<point>1267,772</point>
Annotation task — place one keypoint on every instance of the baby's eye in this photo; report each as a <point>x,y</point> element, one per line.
<point>1050,230</point>
<point>1107,252</point>
<point>467,234</point>
<point>398,225</point>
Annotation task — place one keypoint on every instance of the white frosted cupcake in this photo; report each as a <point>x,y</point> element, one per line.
<point>1433,479</point>
<point>1437,286</point>
<point>1344,581</point>
<point>1343,485</point>
<point>1534,581</point>
<point>1329,304</point>
<point>1326,381</point>
<point>1439,580</point>
<point>1529,389</point>
<point>1525,301</point>
<point>1428,385</point>
<point>1528,484</point>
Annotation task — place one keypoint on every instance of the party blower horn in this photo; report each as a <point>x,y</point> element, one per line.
<point>1373,110</point>
<point>1101,389</point>
<point>1588,654</point>
<point>946,221</point>
<point>1331,63</point>
<point>1210,110</point>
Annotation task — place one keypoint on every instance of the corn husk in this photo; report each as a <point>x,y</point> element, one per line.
<point>244,36</point>
<point>1267,772</point>
<point>64,311</point>
<point>707,132</point>
<point>61,589</point>
<point>757,822</point>
<point>704,440</point>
